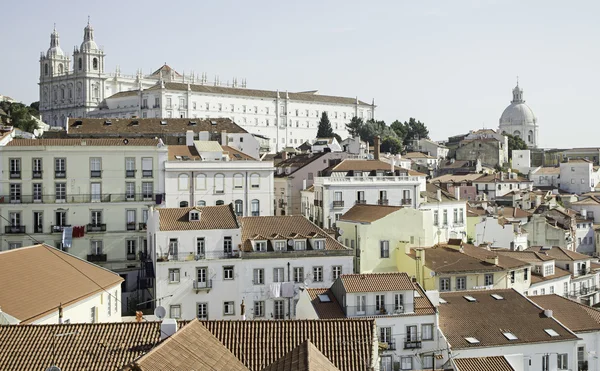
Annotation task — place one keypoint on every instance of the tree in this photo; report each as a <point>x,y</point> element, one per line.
<point>354,126</point>
<point>514,142</point>
<point>373,128</point>
<point>399,128</point>
<point>392,145</point>
<point>325,130</point>
<point>20,117</point>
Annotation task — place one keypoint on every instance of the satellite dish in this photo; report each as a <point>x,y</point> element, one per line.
<point>290,243</point>
<point>339,239</point>
<point>160,312</point>
<point>432,274</point>
<point>340,231</point>
<point>125,141</point>
<point>53,368</point>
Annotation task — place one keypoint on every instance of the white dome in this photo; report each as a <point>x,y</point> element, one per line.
<point>517,114</point>
<point>89,45</point>
<point>55,51</point>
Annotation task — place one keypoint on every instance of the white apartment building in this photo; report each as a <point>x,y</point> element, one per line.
<point>545,176</point>
<point>87,90</point>
<point>502,233</point>
<point>204,173</point>
<point>406,317</point>
<point>578,176</point>
<point>209,262</point>
<point>497,185</point>
<point>341,186</point>
<point>432,148</point>
<point>57,288</point>
<point>449,213</point>
<point>100,189</point>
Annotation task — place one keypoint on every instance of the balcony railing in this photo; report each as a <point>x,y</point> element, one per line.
<point>383,201</point>
<point>96,257</point>
<point>76,198</point>
<point>142,226</point>
<point>361,202</point>
<point>15,175</point>
<point>129,173</point>
<point>374,310</point>
<point>339,203</point>
<point>388,345</point>
<point>202,285</point>
<point>192,256</point>
<point>372,179</point>
<point>98,227</point>
<point>406,201</point>
<point>36,174</point>
<point>14,229</point>
<point>583,272</point>
<point>147,173</point>
<point>583,291</point>
<point>60,174</point>
<point>131,226</point>
<point>412,343</point>
<point>38,229</point>
<point>95,173</point>
<point>318,203</point>
<point>156,106</point>
<point>58,228</point>
<point>131,256</point>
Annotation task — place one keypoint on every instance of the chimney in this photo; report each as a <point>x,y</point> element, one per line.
<point>584,213</point>
<point>548,313</point>
<point>439,195</point>
<point>492,260</point>
<point>243,310</point>
<point>189,138</point>
<point>284,155</point>
<point>303,183</point>
<point>223,137</point>
<point>376,147</point>
<point>60,314</point>
<point>457,193</point>
<point>168,327</point>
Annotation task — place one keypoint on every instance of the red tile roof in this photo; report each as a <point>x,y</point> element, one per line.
<point>211,217</point>
<point>376,282</point>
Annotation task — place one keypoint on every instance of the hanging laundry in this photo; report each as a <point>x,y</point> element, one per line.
<point>275,290</point>
<point>67,237</point>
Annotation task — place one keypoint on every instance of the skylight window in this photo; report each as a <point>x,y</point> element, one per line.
<point>497,297</point>
<point>470,298</point>
<point>163,122</point>
<point>443,301</point>
<point>510,336</point>
<point>324,298</point>
<point>551,332</point>
<point>472,340</point>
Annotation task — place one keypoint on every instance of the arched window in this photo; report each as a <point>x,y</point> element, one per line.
<point>183,204</point>
<point>95,63</point>
<point>219,202</point>
<point>255,207</point>
<point>530,136</point>
<point>201,203</point>
<point>79,90</point>
<point>201,181</point>
<point>62,92</point>
<point>183,182</point>
<point>70,91</point>
<point>239,207</point>
<point>96,91</point>
<point>517,134</point>
<point>60,68</point>
<point>219,183</point>
<point>238,181</point>
<point>80,63</point>
<point>255,181</point>
<point>46,69</point>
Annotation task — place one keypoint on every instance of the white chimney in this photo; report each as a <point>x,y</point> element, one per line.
<point>168,327</point>
<point>393,165</point>
<point>584,213</point>
<point>224,137</point>
<point>303,183</point>
<point>439,195</point>
<point>457,193</point>
<point>189,138</point>
<point>548,313</point>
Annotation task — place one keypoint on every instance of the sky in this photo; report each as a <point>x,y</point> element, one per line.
<point>450,64</point>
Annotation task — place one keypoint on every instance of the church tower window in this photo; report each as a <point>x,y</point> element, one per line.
<point>60,68</point>
<point>46,69</point>
<point>95,63</point>
<point>80,63</point>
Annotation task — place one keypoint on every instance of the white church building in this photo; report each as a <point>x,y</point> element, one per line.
<point>85,89</point>
<point>518,119</point>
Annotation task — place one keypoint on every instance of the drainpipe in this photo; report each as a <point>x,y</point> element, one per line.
<point>192,204</point>
<point>289,299</point>
<point>245,212</point>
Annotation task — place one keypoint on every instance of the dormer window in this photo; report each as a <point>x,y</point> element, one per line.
<point>358,173</point>
<point>299,245</point>
<point>319,244</point>
<point>194,215</point>
<point>279,245</point>
<point>260,245</point>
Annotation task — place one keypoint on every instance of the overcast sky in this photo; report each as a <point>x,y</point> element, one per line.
<point>450,64</point>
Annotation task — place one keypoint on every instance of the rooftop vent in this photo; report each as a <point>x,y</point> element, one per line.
<point>163,122</point>
<point>443,301</point>
<point>107,123</point>
<point>135,122</point>
<point>185,158</point>
<point>510,336</point>
<point>78,123</point>
<point>551,332</point>
<point>213,122</point>
<point>497,297</point>
<point>471,340</point>
<point>470,298</point>
<point>546,247</point>
<point>178,158</point>
<point>192,123</point>
<point>324,298</point>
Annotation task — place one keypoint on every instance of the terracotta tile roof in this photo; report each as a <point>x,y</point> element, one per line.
<point>260,343</point>
<point>127,93</point>
<point>526,256</point>
<point>99,347</point>
<point>591,200</point>
<point>495,363</point>
<point>423,305</point>
<point>487,318</point>
<point>452,178</point>
<point>558,273</point>
<point>417,155</point>
<point>236,155</point>
<point>547,170</point>
<point>577,317</point>
<point>376,282</point>
<point>211,217</point>
<point>222,90</point>
<point>513,212</point>
<point>329,310</point>
<point>53,278</point>
<point>149,126</point>
<point>431,193</point>
<point>166,70</point>
<point>305,357</point>
<point>285,225</point>
<point>559,253</point>
<point>191,348</point>
<point>296,162</point>
<point>88,142</point>
<point>364,213</point>
<point>370,165</point>
<point>189,151</point>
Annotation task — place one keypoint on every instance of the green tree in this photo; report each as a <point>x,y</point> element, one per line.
<point>399,128</point>
<point>21,118</point>
<point>325,129</point>
<point>514,142</point>
<point>354,126</point>
<point>373,128</point>
<point>415,130</point>
<point>392,145</point>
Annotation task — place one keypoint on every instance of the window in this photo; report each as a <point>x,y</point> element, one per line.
<point>300,245</point>
<point>546,362</point>
<point>318,274</point>
<point>488,279</point>
<point>37,192</point>
<point>444,284</point>
<point>435,217</point>
<point>131,249</point>
<point>60,192</point>
<point>228,272</point>
<point>552,289</point>
<point>228,308</point>
<point>147,167</point>
<point>384,249</point>
<point>38,222</point>
<point>15,192</point>
<point>337,271</point>
<point>298,274</point>
<point>227,245</point>
<point>96,217</point>
<point>427,332</point>
<point>512,277</point>
<point>566,289</point>
<point>280,245</point>
<point>174,275</point>
<point>183,182</point>
<point>14,245</point>
<point>258,276</point>
<point>445,220</point>
<point>238,181</point>
<point>427,362</point>
<point>201,181</point>
<point>129,191</point>
<point>319,244</point>
<point>543,291</point>
<point>255,207</point>
<point>380,303</point>
<point>15,168</point>
<point>254,181</point>
<point>219,184</point>
<point>239,207</point>
<point>97,248</point>
<point>93,315</point>
<point>202,311</point>
<point>15,218</point>
<point>259,309</point>
<point>95,167</point>
<point>175,311</point>
<point>278,309</point>
<point>60,218</point>
<point>562,361</point>
<point>385,334</point>
<point>147,190</point>
<point>548,270</point>
<point>461,283</point>
<point>406,363</point>
<point>96,192</point>
<point>278,275</point>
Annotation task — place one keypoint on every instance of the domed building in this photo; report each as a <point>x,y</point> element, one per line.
<point>518,119</point>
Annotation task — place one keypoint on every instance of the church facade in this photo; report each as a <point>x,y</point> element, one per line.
<point>519,120</point>
<point>82,88</point>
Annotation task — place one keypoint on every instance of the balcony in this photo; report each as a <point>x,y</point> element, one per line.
<point>129,173</point>
<point>95,173</point>
<point>192,256</point>
<point>387,345</point>
<point>202,285</point>
<point>360,202</point>
<point>146,173</point>
<point>75,198</point>
<point>338,203</point>
<point>96,257</point>
<point>318,203</point>
<point>98,227</point>
<point>584,271</point>
<point>131,226</point>
<point>36,175</point>
<point>58,228</point>
<point>583,291</point>
<point>406,201</point>
<point>383,201</point>
<point>60,174</point>
<point>142,226</point>
<point>15,175</point>
<point>412,343</point>
<point>156,106</point>
<point>14,229</point>
<point>144,106</point>
<point>131,256</point>
<point>38,229</point>
<point>374,310</point>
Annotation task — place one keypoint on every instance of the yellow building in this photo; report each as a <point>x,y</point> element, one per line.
<point>458,267</point>
<point>474,217</point>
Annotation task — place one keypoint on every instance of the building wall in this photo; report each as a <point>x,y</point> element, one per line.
<point>488,151</point>
<point>541,233</point>
<point>555,286</point>
<point>590,341</point>
<point>521,160</point>
<point>455,226</point>
<point>578,177</point>
<point>506,236</point>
